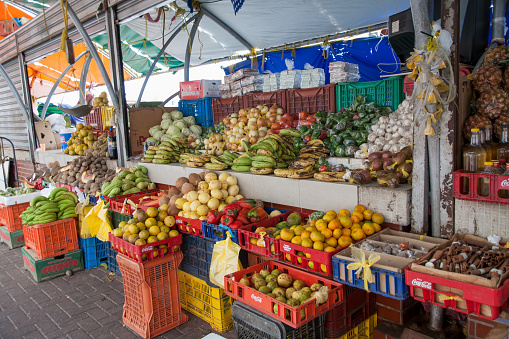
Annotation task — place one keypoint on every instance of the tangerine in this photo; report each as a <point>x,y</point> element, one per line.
<point>329,249</point>
<point>150,222</point>
<point>288,257</point>
<point>355,226</point>
<point>311,228</point>
<point>346,231</point>
<point>162,235</point>
<point>306,242</point>
<point>378,218</point>
<point>154,230</point>
<point>321,224</point>
<point>345,221</point>
<point>368,214</point>
<point>358,234</point>
<point>169,221</point>
<point>328,218</point>
<point>305,234</point>
<point>312,223</point>
<point>368,228</point>
<point>311,265</point>
<point>331,212</point>
<point>152,212</point>
<point>331,242</point>
<point>359,214</point>
<point>318,245</point>
<point>287,234</point>
<point>298,230</point>
<point>345,241</point>
<point>297,240</point>
<point>360,208</point>
<point>334,224</point>
<point>377,227</point>
<point>337,233</point>
<point>323,268</point>
<point>327,233</point>
<point>317,236</point>
<point>308,255</point>
<point>344,212</point>
<point>356,219</point>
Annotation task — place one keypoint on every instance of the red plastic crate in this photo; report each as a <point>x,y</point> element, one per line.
<point>464,297</point>
<point>221,108</point>
<point>136,252</point>
<point>408,86</point>
<point>189,226</point>
<point>69,187</point>
<point>265,304</point>
<point>52,239</point>
<point>312,100</point>
<point>253,259</point>
<point>266,98</point>
<point>152,297</point>
<point>94,118</point>
<point>128,196</point>
<point>9,216</point>
<point>466,187</point>
<point>120,205</point>
<point>272,248</point>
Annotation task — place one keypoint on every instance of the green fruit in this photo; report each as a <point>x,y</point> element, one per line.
<point>264,290</point>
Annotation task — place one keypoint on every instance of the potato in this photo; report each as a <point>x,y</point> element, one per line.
<point>187,187</point>
<point>180,182</point>
<point>173,191</point>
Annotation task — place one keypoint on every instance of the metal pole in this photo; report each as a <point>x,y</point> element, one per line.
<point>226,28</point>
<point>161,51</point>
<point>83,80</point>
<point>498,21</point>
<point>32,140</point>
<point>187,60</point>
<point>436,318</point>
<point>171,97</point>
<point>95,55</point>
<point>55,85</point>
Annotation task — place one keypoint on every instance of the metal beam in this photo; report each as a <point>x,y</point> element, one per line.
<point>161,51</point>
<point>171,97</point>
<point>187,60</point>
<point>95,55</point>
<point>83,80</point>
<point>14,91</point>
<point>55,85</point>
<point>498,21</point>
<point>32,139</point>
<point>226,28</point>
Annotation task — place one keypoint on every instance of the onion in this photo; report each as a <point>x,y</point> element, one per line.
<point>243,119</point>
<point>252,126</point>
<point>252,121</point>
<point>382,125</point>
<point>231,139</point>
<point>396,135</point>
<point>236,129</point>
<point>241,124</point>
<point>388,136</point>
<point>242,112</point>
<point>280,111</point>
<point>253,140</point>
<point>226,121</point>
<point>263,128</point>
<point>233,147</point>
<point>253,133</point>
<point>264,109</point>
<point>259,107</point>
<point>278,118</point>
<point>261,122</point>
<point>262,133</point>
<point>234,121</point>
<point>246,139</point>
<point>240,148</point>
<point>272,118</point>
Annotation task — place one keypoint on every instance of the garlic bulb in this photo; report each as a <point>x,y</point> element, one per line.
<point>388,136</point>
<point>371,138</point>
<point>386,147</point>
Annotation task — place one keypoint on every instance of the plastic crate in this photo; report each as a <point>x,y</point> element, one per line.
<point>272,247</point>
<point>106,113</point>
<point>52,267</point>
<point>197,257</point>
<point>94,252</point>
<point>136,252</point>
<point>117,218</point>
<point>111,259</point>
<point>13,239</point>
<point>364,330</point>
<point>408,86</point>
<point>250,323</point>
<point>286,314</point>
<point>311,100</point>
<point>208,303</point>
<point>94,119</point>
<point>9,216</point>
<point>189,226</point>
<point>461,296</point>
<point>467,186</point>
<point>127,196</point>
<point>152,298</point>
<point>387,283</point>
<point>253,259</point>
<point>141,200</point>
<point>200,109</point>
<point>384,93</point>
<point>221,108</point>
<point>52,239</point>
<point>266,98</point>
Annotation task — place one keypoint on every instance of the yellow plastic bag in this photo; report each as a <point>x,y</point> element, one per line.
<point>225,260</point>
<point>97,222</point>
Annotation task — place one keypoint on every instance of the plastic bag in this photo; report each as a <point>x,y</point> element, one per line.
<point>97,222</point>
<point>290,64</point>
<point>225,260</point>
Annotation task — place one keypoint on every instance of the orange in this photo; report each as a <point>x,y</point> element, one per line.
<point>287,234</point>
<point>355,226</point>
<point>331,212</point>
<point>329,249</point>
<point>334,224</point>
<point>356,219</point>
<point>327,233</point>
<point>300,254</point>
<point>377,227</point>
<point>359,208</point>
<point>306,242</point>
<point>162,235</point>
<point>305,234</point>
<point>344,212</point>
<point>288,257</point>
<point>359,214</point>
<point>311,228</point>
<point>150,222</point>
<point>321,224</point>
<point>344,241</point>
<point>347,231</point>
<point>307,255</point>
<point>298,230</point>
<point>317,236</point>
<point>358,234</point>
<point>154,230</point>
<point>328,217</point>
<point>311,265</point>
<point>169,221</point>
<point>318,245</point>
<point>331,242</point>
<point>378,218</point>
<point>323,268</point>
<point>345,221</point>
<point>368,228</point>
<point>337,233</point>
<point>296,240</point>
<point>368,214</point>
<point>312,222</point>
<point>278,237</point>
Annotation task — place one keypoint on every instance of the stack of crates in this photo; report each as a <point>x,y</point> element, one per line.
<point>11,230</point>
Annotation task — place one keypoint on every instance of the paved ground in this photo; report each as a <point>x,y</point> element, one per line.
<point>85,305</point>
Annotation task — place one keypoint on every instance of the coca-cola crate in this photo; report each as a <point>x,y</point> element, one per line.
<point>142,200</point>
<point>94,118</point>
<point>152,250</point>
<point>221,108</point>
<point>128,196</point>
<point>267,98</point>
<point>189,226</point>
<point>471,186</point>
<point>311,100</point>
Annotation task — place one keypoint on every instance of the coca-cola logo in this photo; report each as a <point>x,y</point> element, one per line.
<point>287,248</point>
<point>256,298</point>
<point>421,284</point>
<point>147,249</point>
<point>505,183</point>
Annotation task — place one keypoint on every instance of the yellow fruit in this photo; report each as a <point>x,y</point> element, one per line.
<point>296,240</point>
<point>179,203</point>
<point>329,249</point>
<point>368,228</point>
<point>344,213</point>
<point>140,242</point>
<point>317,236</point>
<point>359,208</point>
<point>305,234</point>
<point>169,221</point>
<point>318,245</point>
<point>117,232</point>
<point>327,233</point>
<point>331,212</point>
<point>164,229</point>
<point>346,231</point>
<point>186,207</point>
<point>345,221</point>
<point>162,235</point>
<point>328,218</point>
<point>334,224</point>
<point>306,242</point>
<point>122,224</point>
<point>288,257</point>
<point>160,223</point>
<point>344,241</point>
<point>331,242</point>
<point>150,222</point>
<point>321,225</point>
<point>357,234</point>
<point>311,265</point>
<point>154,230</point>
<point>357,214</point>
<point>194,205</point>
<point>152,212</point>
<point>308,255</point>
<point>377,218</point>
<point>152,239</point>
<point>133,229</point>
<point>202,210</point>
<point>377,227</point>
<point>161,215</point>
<point>337,233</point>
<point>310,229</point>
<point>368,214</point>
<point>287,234</point>
<point>298,230</point>
<point>323,268</point>
<point>144,234</point>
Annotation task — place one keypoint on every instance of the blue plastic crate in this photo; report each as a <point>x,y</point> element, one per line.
<point>218,232</point>
<point>383,279</point>
<point>94,252</point>
<point>92,199</point>
<point>197,257</point>
<point>200,109</point>
<point>111,256</point>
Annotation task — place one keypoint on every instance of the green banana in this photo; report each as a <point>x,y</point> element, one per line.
<point>231,155</point>
<point>242,161</point>
<point>263,158</point>
<point>262,164</point>
<point>241,168</point>
<point>290,132</point>
<point>56,190</point>
<point>37,199</point>
<point>246,145</point>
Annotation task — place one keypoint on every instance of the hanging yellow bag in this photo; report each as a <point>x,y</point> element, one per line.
<point>97,222</point>
<point>225,260</point>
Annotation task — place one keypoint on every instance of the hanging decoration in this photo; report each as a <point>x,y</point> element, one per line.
<point>433,89</point>
<point>237,5</point>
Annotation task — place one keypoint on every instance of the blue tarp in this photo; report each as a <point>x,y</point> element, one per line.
<point>371,54</point>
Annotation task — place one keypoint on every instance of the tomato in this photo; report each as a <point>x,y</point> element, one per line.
<point>311,118</point>
<point>275,126</point>
<point>287,116</point>
<point>295,123</point>
<point>404,246</point>
<point>285,125</point>
<point>303,115</point>
<point>283,121</point>
<point>323,168</point>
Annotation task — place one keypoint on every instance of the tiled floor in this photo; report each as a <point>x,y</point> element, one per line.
<point>85,305</point>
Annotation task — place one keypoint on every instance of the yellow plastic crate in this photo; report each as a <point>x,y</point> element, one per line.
<point>106,114</point>
<point>208,303</point>
<point>364,331</point>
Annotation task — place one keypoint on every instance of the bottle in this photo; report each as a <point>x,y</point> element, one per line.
<point>503,146</point>
<point>483,184</point>
<point>112,144</point>
<point>489,144</point>
<point>496,167</point>
<point>482,138</point>
<point>502,163</point>
<point>474,155</point>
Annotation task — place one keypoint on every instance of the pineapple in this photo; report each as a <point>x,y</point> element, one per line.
<point>496,54</point>
<point>503,119</point>
<point>493,102</point>
<point>487,77</point>
<point>474,121</point>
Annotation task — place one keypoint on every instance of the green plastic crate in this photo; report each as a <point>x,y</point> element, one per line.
<point>117,218</point>
<point>13,239</point>
<point>49,268</point>
<point>385,93</point>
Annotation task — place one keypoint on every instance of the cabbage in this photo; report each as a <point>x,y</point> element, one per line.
<point>178,135</point>
<point>196,129</point>
<point>166,115</point>
<point>150,140</point>
<point>186,131</point>
<point>166,123</point>
<point>172,130</point>
<point>154,129</point>
<point>157,135</point>
<point>189,120</point>
<point>176,114</point>
<point>180,124</point>
<point>197,136</point>
<point>166,137</point>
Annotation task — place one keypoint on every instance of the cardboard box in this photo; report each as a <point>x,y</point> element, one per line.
<point>424,238</point>
<point>45,269</point>
<point>13,239</point>
<point>46,137</point>
<point>198,89</point>
<point>140,121</point>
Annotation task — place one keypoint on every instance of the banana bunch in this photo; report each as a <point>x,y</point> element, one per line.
<point>166,152</point>
<point>314,150</point>
<point>296,173</point>
<point>194,160</point>
<point>329,176</point>
<point>59,205</point>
